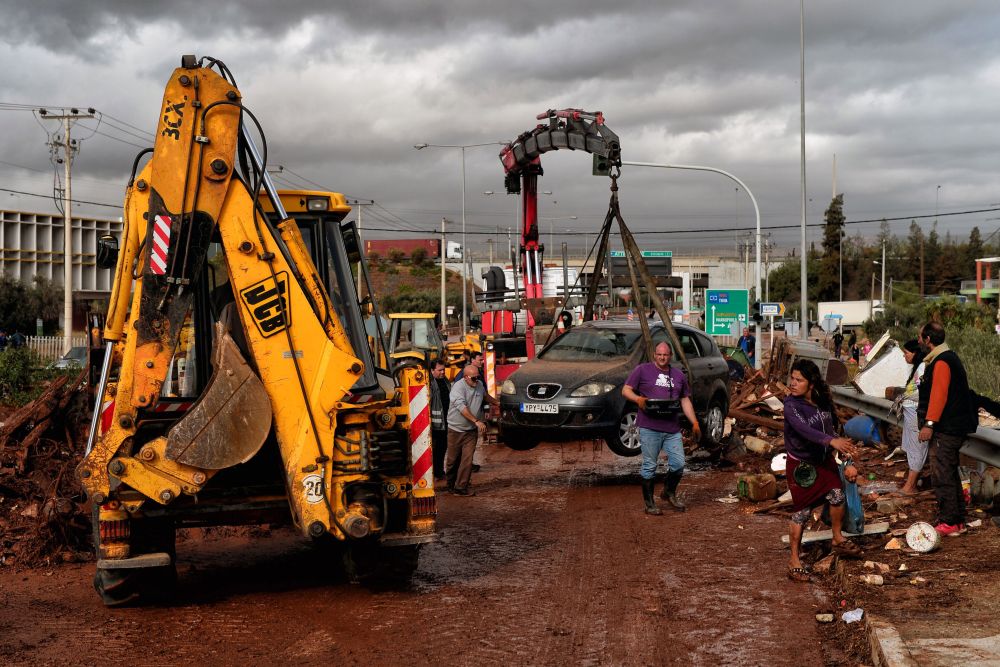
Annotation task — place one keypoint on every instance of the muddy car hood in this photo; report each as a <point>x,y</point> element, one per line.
<point>571,374</point>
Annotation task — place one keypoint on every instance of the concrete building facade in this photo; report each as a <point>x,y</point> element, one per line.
<point>31,244</point>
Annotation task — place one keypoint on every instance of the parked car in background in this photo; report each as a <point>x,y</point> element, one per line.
<point>573,388</point>
<point>75,358</point>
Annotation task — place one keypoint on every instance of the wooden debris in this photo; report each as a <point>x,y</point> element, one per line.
<point>43,514</point>
<point>823,535</point>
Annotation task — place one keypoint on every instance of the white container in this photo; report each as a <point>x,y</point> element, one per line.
<point>922,538</point>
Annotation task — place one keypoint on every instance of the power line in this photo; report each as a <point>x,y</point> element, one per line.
<point>105,134</point>
<point>75,201</point>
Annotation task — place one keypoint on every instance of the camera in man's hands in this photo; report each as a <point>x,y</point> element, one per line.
<point>663,408</point>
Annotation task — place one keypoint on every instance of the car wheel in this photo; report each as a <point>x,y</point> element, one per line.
<point>714,423</point>
<point>625,440</point>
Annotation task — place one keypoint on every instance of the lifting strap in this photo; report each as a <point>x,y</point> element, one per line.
<point>636,264</point>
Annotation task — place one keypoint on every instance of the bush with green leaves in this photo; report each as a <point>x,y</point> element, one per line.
<point>16,375</point>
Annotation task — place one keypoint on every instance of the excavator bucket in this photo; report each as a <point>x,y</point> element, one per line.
<point>230,421</point>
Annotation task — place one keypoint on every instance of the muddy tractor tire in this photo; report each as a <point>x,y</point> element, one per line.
<point>125,587</point>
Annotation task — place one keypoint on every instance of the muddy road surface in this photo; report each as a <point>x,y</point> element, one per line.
<point>553,562</point>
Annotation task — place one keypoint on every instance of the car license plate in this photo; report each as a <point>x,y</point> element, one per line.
<point>541,408</point>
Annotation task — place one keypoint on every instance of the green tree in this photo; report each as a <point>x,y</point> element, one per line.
<point>914,252</point>
<point>932,256</point>
<point>948,267</point>
<point>21,304</point>
<point>786,281</point>
<point>974,250</point>
<point>829,264</point>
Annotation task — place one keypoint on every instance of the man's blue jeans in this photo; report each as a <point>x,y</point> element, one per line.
<point>652,443</point>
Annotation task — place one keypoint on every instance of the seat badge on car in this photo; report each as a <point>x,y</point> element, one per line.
<point>541,391</point>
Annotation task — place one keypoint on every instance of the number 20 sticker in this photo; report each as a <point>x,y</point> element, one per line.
<point>313,485</point>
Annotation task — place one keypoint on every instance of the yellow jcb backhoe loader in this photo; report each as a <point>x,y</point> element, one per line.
<point>238,384</point>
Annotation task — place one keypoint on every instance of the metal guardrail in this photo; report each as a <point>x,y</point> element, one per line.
<point>983,445</point>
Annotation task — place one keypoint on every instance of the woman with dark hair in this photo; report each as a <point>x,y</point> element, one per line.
<point>812,472</point>
<point>916,451</point>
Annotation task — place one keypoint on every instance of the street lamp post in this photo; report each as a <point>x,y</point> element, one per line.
<point>552,225</point>
<point>756,211</point>
<point>465,246</point>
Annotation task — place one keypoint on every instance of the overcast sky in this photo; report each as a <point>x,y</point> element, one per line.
<point>904,92</point>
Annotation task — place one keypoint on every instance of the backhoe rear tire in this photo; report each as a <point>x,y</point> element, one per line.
<point>123,587</point>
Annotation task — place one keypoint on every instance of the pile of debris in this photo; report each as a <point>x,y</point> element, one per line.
<point>43,514</point>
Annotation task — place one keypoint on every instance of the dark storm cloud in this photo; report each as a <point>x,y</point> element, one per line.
<point>903,92</point>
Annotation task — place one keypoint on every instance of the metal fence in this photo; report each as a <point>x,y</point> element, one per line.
<point>983,445</point>
<point>50,348</point>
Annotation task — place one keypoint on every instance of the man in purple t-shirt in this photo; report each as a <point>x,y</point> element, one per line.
<point>661,432</point>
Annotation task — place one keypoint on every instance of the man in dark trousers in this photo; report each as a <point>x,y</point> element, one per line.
<point>947,411</point>
<point>440,389</point>
<point>748,344</point>
<point>661,430</point>
<point>465,424</point>
<point>838,341</point>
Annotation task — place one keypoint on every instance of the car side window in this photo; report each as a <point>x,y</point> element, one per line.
<point>688,343</point>
<point>704,344</point>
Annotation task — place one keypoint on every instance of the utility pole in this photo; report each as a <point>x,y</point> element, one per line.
<point>444,260</point>
<point>767,269</point>
<point>68,147</point>
<point>361,249</point>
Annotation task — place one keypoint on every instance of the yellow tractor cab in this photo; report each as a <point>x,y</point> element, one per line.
<point>416,336</point>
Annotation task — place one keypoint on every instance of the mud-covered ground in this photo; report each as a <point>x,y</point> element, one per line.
<point>552,562</point>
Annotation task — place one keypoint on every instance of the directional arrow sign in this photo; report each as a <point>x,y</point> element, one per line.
<point>775,309</point>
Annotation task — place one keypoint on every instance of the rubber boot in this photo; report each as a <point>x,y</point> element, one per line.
<point>670,490</point>
<point>647,495</point>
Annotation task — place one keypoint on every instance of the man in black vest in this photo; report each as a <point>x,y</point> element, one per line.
<point>947,413</point>
<point>440,389</point>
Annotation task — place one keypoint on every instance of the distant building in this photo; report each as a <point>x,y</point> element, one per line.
<point>31,244</point>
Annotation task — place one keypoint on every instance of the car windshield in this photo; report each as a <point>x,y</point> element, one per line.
<point>591,345</point>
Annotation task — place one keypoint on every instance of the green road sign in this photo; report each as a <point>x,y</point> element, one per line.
<point>645,253</point>
<point>725,307</point>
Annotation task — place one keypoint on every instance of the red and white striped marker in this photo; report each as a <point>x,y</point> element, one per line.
<point>420,437</point>
<point>107,414</point>
<point>161,245</point>
<point>173,407</point>
<point>491,373</point>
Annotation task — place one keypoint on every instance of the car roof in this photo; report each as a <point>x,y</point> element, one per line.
<point>626,325</point>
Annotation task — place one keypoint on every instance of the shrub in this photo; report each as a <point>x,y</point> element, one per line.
<point>418,257</point>
<point>16,367</point>
<point>396,256</point>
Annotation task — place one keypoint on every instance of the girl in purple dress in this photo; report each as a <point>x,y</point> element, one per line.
<point>812,472</point>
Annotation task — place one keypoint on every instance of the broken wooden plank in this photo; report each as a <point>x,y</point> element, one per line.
<point>823,535</point>
<point>757,420</point>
